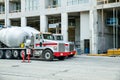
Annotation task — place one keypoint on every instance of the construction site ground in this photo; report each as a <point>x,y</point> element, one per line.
<point>80,67</point>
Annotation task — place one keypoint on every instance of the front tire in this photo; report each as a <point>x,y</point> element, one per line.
<point>61,58</point>
<point>71,56</point>
<point>8,54</point>
<point>48,55</point>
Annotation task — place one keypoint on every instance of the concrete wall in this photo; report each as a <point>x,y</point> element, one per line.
<point>77,30</point>
<point>105,34</point>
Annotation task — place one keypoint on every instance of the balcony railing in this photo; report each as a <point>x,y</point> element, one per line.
<point>2,12</point>
<point>53,6</point>
<point>15,11</point>
<point>76,2</point>
<point>14,0</point>
<point>107,1</point>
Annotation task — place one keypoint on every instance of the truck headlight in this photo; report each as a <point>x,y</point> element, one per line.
<point>55,47</point>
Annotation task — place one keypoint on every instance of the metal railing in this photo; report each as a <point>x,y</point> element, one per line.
<point>76,2</point>
<point>53,6</point>
<point>3,12</point>
<point>107,1</point>
<point>15,11</point>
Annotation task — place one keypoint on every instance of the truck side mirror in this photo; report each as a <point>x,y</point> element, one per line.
<point>40,44</point>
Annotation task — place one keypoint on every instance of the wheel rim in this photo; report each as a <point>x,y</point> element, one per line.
<point>15,54</point>
<point>47,55</point>
<point>1,54</point>
<point>8,54</point>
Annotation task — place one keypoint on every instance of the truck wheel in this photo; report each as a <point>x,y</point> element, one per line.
<point>61,58</point>
<point>71,56</point>
<point>21,54</point>
<point>1,54</point>
<point>48,55</point>
<point>8,54</point>
<point>15,54</point>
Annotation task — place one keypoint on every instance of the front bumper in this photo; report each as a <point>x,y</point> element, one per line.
<point>71,53</point>
<point>60,54</point>
<point>64,54</point>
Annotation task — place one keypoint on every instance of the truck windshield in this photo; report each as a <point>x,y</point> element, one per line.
<point>59,37</point>
<point>48,36</point>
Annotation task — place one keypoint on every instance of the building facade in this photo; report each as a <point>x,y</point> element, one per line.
<point>92,24</point>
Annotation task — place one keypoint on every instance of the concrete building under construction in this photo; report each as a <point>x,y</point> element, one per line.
<point>94,25</point>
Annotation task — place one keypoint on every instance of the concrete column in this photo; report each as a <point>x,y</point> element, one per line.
<point>22,6</point>
<point>7,21</point>
<point>64,26</point>
<point>43,23</point>
<point>23,22</point>
<point>93,31</point>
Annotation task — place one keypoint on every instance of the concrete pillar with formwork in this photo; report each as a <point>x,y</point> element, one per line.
<point>43,23</point>
<point>23,22</point>
<point>7,20</point>
<point>64,25</point>
<point>93,30</point>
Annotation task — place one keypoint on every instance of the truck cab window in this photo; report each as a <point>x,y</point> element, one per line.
<point>40,36</point>
<point>37,36</point>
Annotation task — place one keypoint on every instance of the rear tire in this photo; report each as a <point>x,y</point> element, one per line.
<point>48,55</point>
<point>15,54</point>
<point>1,54</point>
<point>8,54</point>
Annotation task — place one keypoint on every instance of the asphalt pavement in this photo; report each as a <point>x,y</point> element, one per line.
<point>80,67</point>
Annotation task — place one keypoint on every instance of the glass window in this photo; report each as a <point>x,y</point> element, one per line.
<point>59,37</point>
<point>76,2</point>
<point>31,5</point>
<point>48,36</point>
<point>40,36</point>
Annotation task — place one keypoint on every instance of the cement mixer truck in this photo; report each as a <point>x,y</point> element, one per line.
<point>15,41</point>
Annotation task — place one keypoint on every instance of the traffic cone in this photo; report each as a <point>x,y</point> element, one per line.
<point>23,56</point>
<point>28,56</point>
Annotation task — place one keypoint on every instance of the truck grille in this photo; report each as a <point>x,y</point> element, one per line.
<point>61,47</point>
<point>71,47</point>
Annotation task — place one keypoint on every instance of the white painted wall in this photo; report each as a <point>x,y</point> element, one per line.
<point>84,24</point>
<point>84,29</point>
